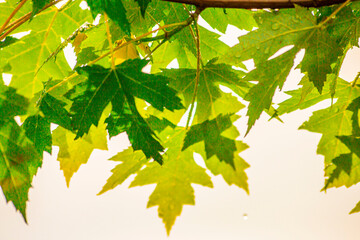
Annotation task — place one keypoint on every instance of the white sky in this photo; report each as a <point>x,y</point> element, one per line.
<point>285,202</point>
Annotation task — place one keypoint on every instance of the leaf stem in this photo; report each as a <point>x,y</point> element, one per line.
<point>334,13</point>
<point>353,83</point>
<point>12,15</point>
<point>108,34</point>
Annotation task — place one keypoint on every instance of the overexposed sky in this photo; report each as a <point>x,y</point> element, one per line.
<point>285,202</point>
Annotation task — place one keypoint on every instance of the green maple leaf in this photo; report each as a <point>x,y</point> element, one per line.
<point>332,122</point>
<point>54,111</point>
<point>173,179</point>
<point>345,28</point>
<point>219,20</point>
<point>120,86</point>
<point>34,49</point>
<point>209,93</point>
<point>321,51</point>
<point>270,75</point>
<point>11,103</point>
<point>19,162</point>
<point>352,143</point>
<point>356,208</point>
<point>354,108</point>
<point>298,27</point>
<point>132,162</point>
<point>38,5</point>
<point>7,41</point>
<point>308,96</point>
<point>344,164</point>
<point>37,129</point>
<point>19,159</point>
<point>276,30</point>
<point>143,5</point>
<point>232,174</point>
<point>215,144</point>
<point>114,9</point>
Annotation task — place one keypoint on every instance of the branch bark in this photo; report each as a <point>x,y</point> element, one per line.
<point>249,4</point>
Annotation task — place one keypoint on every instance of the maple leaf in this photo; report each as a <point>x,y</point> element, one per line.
<point>308,96</point>
<point>54,111</point>
<point>270,75</point>
<point>276,30</point>
<point>73,153</point>
<point>19,162</point>
<point>321,51</point>
<point>143,5</point>
<point>37,129</point>
<point>120,86</point>
<point>38,5</point>
<point>210,133</point>
<point>333,122</point>
<point>11,103</point>
<point>218,19</point>
<point>114,9</point>
<point>211,76</point>
<point>40,43</point>
<point>343,163</point>
<point>298,27</point>
<point>132,162</point>
<point>173,179</point>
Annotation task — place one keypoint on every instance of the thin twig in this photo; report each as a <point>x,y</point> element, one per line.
<point>198,57</point>
<point>24,19</point>
<point>353,84</point>
<point>12,15</point>
<point>139,39</point>
<point>155,48</point>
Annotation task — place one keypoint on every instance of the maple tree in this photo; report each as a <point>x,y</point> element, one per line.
<point>108,93</point>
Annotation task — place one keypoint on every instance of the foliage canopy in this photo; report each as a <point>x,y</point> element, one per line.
<point>108,93</point>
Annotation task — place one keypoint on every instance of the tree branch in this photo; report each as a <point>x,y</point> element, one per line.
<point>249,4</point>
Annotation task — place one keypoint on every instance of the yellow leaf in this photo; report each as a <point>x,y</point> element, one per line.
<point>78,40</point>
<point>124,53</point>
<point>73,153</point>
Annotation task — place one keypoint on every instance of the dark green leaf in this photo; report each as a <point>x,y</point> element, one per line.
<point>143,5</point>
<point>37,129</point>
<point>209,93</point>
<point>343,163</point>
<point>38,5</point>
<point>19,162</point>
<point>119,87</point>
<point>114,9</point>
<point>270,75</point>
<point>11,104</point>
<point>215,144</point>
<point>54,111</point>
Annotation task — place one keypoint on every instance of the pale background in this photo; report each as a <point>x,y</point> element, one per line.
<point>285,202</point>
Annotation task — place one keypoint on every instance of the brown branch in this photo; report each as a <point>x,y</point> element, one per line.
<point>12,15</point>
<point>249,4</point>
<point>24,19</point>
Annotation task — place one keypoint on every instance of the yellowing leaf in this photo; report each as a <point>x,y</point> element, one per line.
<point>173,179</point>
<point>74,153</point>
<point>78,40</point>
<point>19,162</point>
<point>124,53</point>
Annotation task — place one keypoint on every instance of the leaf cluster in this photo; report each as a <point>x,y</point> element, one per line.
<point>108,92</point>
